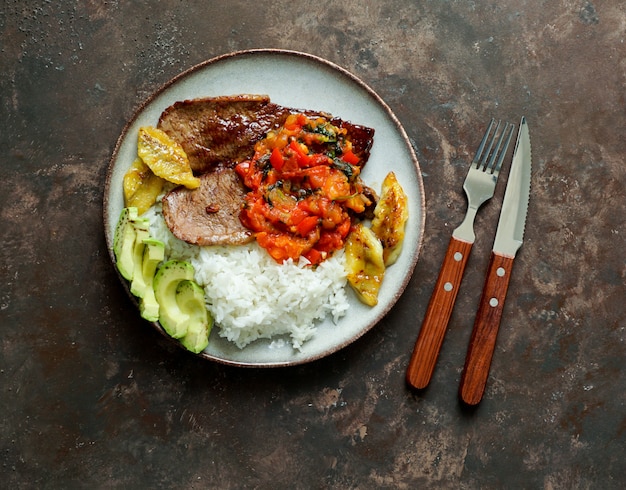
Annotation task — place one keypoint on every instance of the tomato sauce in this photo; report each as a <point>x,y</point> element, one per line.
<point>305,189</point>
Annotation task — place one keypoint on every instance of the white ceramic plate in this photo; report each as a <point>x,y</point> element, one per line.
<point>306,82</point>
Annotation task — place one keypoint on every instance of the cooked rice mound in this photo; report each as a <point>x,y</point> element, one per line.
<point>251,296</point>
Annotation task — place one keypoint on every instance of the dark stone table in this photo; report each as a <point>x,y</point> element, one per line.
<point>93,397</point>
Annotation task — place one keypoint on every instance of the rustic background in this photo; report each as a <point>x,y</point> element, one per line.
<point>93,397</point>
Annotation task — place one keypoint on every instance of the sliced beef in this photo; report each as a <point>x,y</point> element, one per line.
<point>219,130</point>
<point>208,215</point>
<point>222,131</point>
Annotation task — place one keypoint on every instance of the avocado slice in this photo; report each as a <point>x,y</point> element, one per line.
<point>124,241</point>
<point>190,299</point>
<point>138,284</point>
<point>153,254</point>
<point>149,307</point>
<point>166,280</point>
<point>197,337</point>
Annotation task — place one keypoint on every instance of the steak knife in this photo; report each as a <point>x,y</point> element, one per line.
<point>509,238</point>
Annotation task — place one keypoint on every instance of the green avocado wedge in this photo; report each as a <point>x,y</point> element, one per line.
<point>138,284</point>
<point>166,280</point>
<point>124,242</point>
<point>197,337</point>
<point>190,299</point>
<point>153,255</point>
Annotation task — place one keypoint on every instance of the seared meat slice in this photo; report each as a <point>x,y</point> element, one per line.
<point>222,131</point>
<point>218,130</point>
<point>208,215</point>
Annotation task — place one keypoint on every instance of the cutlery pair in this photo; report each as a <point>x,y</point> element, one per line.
<point>479,187</point>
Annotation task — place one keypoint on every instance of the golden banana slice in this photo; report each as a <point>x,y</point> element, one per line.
<point>364,264</point>
<point>133,178</point>
<point>165,157</point>
<point>141,186</point>
<point>390,216</point>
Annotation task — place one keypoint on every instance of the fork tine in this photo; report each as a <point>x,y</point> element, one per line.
<point>483,162</point>
<point>494,154</point>
<point>498,166</point>
<point>481,147</point>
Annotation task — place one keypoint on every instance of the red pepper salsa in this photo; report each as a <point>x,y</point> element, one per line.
<point>305,189</point>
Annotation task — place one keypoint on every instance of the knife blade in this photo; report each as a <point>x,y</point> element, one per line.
<point>509,238</point>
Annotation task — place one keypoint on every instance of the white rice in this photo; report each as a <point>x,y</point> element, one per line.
<point>250,296</point>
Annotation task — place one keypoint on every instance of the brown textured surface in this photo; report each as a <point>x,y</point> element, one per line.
<point>92,397</point>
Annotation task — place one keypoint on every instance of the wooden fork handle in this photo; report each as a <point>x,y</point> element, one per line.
<point>440,306</point>
<point>483,340</point>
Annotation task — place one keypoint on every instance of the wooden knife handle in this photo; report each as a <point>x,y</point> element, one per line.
<point>483,340</point>
<point>440,306</point>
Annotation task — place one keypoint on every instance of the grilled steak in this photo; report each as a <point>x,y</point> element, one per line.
<point>222,131</point>
<point>219,130</point>
<point>208,215</point>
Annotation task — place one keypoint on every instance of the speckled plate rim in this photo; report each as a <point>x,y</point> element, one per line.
<point>304,81</point>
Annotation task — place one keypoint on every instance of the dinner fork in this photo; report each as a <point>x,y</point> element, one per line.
<point>479,187</point>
